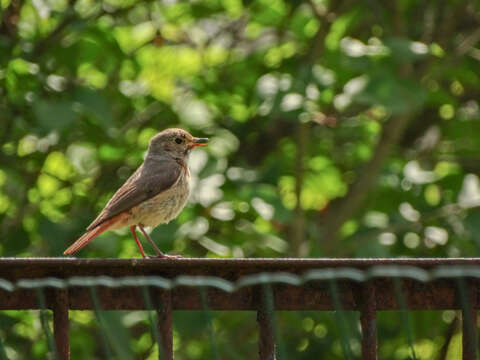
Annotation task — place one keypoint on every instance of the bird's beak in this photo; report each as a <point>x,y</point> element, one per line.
<point>199,142</point>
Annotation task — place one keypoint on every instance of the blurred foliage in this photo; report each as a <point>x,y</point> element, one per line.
<point>338,128</point>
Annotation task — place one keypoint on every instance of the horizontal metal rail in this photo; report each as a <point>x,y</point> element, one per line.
<point>262,285</point>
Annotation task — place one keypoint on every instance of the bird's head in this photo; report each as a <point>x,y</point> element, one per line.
<point>174,143</point>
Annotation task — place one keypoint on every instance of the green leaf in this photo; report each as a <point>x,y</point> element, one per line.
<point>339,29</point>
<point>397,95</point>
<point>95,105</point>
<point>54,115</point>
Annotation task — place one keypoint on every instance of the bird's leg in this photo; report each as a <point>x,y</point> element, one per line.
<point>155,247</point>
<point>134,233</point>
<point>160,254</point>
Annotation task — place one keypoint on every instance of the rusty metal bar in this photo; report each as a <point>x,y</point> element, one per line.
<point>165,326</point>
<point>227,268</point>
<point>266,329</point>
<point>266,342</point>
<point>61,324</point>
<point>438,295</point>
<point>435,295</point>
<point>469,322</point>
<point>380,293</point>
<point>368,320</point>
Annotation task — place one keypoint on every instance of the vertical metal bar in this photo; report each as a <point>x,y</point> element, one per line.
<point>266,348</point>
<point>61,324</point>
<point>469,323</point>
<point>266,341</point>
<point>165,325</point>
<point>368,320</point>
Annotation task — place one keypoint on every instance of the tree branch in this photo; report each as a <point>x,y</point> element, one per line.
<point>8,25</point>
<point>343,209</point>
<point>45,43</point>
<point>71,16</point>
<point>298,237</point>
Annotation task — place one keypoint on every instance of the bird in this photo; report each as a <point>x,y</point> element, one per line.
<point>154,194</point>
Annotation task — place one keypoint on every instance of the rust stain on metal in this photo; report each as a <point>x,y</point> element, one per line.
<point>469,323</point>
<point>61,323</point>
<point>231,269</point>
<point>368,321</point>
<point>266,330</point>
<point>375,295</point>
<point>165,324</point>
<point>314,295</point>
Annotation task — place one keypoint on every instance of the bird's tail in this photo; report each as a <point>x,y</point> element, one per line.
<point>83,240</point>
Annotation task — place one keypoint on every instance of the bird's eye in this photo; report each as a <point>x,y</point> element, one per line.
<point>178,140</point>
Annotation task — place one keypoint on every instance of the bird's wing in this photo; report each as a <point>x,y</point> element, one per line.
<point>138,188</point>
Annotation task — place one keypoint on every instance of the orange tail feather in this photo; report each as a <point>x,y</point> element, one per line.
<point>83,240</point>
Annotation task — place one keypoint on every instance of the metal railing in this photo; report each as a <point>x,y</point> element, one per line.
<point>262,285</point>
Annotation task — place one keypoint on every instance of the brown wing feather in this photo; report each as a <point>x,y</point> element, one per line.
<point>142,185</point>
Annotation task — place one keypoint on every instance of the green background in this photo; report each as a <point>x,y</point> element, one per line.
<point>338,129</point>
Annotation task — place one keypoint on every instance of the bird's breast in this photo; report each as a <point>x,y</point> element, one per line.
<point>165,206</point>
